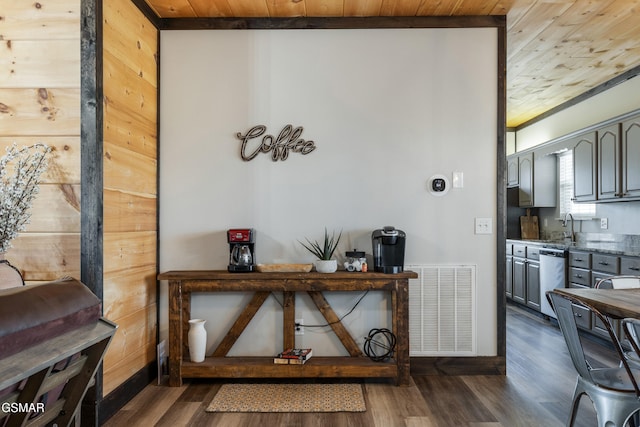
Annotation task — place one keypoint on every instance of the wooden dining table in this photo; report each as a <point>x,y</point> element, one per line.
<point>616,303</point>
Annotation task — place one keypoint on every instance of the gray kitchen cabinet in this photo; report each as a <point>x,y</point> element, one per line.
<point>512,171</point>
<point>525,180</point>
<point>604,265</point>
<point>618,160</point>
<point>537,179</point>
<point>630,153</point>
<point>586,269</point>
<point>584,167</point>
<point>523,275</point>
<point>519,280</point>
<point>597,327</point>
<point>579,277</point>
<point>532,278</point>
<point>605,165</point>
<point>533,284</point>
<point>609,162</point>
<point>582,316</point>
<point>630,266</point>
<point>597,276</point>
<point>519,251</point>
<point>580,259</point>
<point>607,265</point>
<point>519,277</point>
<point>509,277</point>
<point>509,273</point>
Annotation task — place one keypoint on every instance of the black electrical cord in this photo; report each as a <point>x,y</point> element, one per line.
<point>380,345</point>
<point>329,323</point>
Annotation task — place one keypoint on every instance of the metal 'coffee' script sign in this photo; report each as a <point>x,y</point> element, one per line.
<point>287,140</point>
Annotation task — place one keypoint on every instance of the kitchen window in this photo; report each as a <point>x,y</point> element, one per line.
<point>565,180</point>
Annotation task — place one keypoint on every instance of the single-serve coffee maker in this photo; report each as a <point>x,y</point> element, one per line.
<point>241,249</point>
<point>388,250</point>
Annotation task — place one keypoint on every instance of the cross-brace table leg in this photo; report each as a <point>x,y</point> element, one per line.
<point>334,321</point>
<point>241,323</point>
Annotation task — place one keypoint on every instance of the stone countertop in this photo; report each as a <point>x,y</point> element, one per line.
<point>613,248</point>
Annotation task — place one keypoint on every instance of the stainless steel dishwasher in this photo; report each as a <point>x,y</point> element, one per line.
<point>553,274</point>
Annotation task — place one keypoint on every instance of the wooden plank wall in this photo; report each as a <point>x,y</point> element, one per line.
<point>130,44</point>
<point>40,102</point>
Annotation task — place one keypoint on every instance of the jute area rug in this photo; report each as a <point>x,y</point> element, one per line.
<point>288,398</point>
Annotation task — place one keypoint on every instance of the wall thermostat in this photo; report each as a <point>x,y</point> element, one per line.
<point>438,185</point>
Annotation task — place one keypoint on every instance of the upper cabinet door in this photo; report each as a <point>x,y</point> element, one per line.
<point>609,162</point>
<point>631,157</point>
<point>584,167</point>
<point>525,174</point>
<point>538,180</point>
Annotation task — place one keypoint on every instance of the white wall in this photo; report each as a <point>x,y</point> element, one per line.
<point>386,109</point>
<point>620,99</point>
<point>510,145</point>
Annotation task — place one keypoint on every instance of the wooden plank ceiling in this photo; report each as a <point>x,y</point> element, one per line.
<point>556,50</point>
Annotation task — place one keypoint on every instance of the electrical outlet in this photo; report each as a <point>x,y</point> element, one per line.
<point>604,223</point>
<point>299,327</point>
<point>483,226</point>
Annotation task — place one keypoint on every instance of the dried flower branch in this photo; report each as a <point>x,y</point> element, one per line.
<point>20,171</point>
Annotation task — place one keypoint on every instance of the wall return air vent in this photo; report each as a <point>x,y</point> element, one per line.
<point>442,310</point>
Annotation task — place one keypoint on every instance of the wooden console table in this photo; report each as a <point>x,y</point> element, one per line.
<point>182,284</point>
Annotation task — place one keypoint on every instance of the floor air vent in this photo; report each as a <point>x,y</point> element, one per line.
<point>442,310</point>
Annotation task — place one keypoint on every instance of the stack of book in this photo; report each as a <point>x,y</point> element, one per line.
<point>293,356</point>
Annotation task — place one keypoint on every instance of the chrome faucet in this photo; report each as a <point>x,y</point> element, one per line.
<point>564,224</point>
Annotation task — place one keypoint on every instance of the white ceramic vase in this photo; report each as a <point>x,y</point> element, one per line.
<point>326,266</point>
<point>10,276</point>
<point>197,340</point>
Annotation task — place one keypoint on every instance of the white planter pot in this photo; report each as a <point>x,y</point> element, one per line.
<point>10,276</point>
<point>326,266</point>
<point>197,340</point>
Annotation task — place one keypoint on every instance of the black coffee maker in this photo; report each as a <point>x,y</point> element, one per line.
<point>241,249</point>
<point>388,250</point>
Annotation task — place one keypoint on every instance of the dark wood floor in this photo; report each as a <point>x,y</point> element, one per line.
<point>535,392</point>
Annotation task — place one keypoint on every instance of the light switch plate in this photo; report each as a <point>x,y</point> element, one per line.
<point>458,180</point>
<point>484,226</point>
<point>604,223</point>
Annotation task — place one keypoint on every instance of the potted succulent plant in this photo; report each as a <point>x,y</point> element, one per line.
<point>324,252</point>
